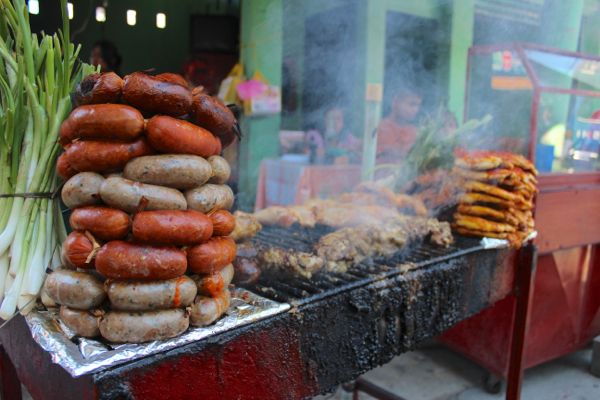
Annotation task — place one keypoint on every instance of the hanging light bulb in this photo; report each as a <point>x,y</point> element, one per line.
<point>33,6</point>
<point>131,17</point>
<point>70,10</point>
<point>100,14</point>
<point>161,20</point>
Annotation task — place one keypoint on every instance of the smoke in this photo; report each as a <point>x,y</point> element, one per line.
<point>333,50</point>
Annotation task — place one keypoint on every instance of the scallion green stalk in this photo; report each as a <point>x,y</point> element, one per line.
<point>37,75</point>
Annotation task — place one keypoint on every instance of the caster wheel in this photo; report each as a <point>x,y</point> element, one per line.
<point>492,383</point>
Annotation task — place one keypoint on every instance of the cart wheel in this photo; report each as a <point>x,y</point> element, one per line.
<point>492,383</point>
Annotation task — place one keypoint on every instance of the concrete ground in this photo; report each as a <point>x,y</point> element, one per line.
<point>436,373</point>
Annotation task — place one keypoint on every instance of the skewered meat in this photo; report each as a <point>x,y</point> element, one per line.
<point>246,226</point>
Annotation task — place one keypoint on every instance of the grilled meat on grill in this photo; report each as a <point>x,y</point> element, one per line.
<point>246,226</point>
<point>346,247</point>
<point>286,216</point>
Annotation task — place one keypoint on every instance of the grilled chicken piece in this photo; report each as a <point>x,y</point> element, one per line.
<point>246,226</point>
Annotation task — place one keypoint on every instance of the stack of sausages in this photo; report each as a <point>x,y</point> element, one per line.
<point>149,205</point>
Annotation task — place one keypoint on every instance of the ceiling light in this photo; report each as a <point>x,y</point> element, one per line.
<point>33,6</point>
<point>161,20</point>
<point>100,14</point>
<point>131,17</point>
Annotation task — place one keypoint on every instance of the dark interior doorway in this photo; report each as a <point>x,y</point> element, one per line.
<point>412,45</point>
<point>330,63</point>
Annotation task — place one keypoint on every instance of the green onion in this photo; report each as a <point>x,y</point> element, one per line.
<point>37,75</point>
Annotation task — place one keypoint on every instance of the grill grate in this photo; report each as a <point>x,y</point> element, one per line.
<point>298,290</point>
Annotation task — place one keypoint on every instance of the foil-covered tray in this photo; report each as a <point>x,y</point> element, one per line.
<point>491,243</point>
<point>81,356</point>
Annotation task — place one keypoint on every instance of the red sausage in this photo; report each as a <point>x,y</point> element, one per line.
<point>172,227</point>
<point>95,156</point>
<point>223,222</point>
<point>172,78</point>
<point>103,222</point>
<point>77,249</point>
<point>104,122</point>
<point>99,88</point>
<point>153,95</point>
<point>64,168</point>
<point>212,256</point>
<point>122,260</point>
<point>210,113</point>
<point>170,135</point>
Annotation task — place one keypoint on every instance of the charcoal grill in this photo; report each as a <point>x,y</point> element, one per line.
<point>340,325</point>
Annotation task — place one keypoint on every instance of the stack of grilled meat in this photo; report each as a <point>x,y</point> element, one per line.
<point>498,199</point>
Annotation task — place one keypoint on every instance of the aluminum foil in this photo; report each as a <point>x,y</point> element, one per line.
<point>491,243</point>
<point>81,356</point>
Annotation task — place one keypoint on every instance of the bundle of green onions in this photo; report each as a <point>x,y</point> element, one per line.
<point>37,75</point>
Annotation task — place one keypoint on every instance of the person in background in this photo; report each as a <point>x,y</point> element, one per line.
<point>336,145</point>
<point>106,55</point>
<point>397,133</point>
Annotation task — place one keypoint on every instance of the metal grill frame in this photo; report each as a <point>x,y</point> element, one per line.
<point>324,340</point>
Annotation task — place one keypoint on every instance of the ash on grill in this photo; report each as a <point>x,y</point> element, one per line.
<point>285,281</point>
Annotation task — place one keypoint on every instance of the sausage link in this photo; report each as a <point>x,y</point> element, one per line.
<point>172,78</point>
<point>207,310</point>
<point>179,171</point>
<point>95,156</point>
<point>221,171</point>
<point>64,168</point>
<point>117,122</point>
<point>82,322</point>
<point>130,196</point>
<point>99,88</point>
<point>172,227</point>
<point>154,95</point>
<point>210,113</point>
<point>139,327</point>
<point>82,189</point>
<point>223,222</point>
<point>77,251</point>
<point>154,295</point>
<point>103,222</point>
<point>79,290</point>
<point>211,256</point>
<point>170,135</point>
<point>122,260</point>
<point>246,271</point>
<point>209,197</point>
<point>212,285</point>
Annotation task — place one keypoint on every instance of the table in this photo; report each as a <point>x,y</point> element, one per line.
<point>283,182</point>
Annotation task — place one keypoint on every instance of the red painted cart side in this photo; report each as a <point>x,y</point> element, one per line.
<point>565,310</point>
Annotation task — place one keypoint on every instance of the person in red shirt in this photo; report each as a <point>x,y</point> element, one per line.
<point>397,133</point>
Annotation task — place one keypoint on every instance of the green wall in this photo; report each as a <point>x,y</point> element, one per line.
<point>260,50</point>
<point>144,46</point>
